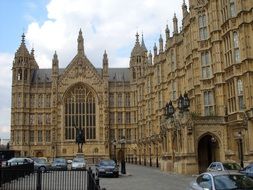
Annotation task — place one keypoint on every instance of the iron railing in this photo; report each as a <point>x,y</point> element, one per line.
<point>23,177</point>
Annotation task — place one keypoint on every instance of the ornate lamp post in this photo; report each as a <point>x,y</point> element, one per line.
<point>169,110</point>
<point>114,149</point>
<point>180,103</point>
<point>150,159</point>
<point>157,163</point>
<point>186,102</point>
<point>183,106</point>
<point>123,162</point>
<point>240,148</point>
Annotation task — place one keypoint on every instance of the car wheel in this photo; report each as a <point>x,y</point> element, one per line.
<point>42,169</point>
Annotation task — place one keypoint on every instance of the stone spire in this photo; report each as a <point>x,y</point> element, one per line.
<point>143,44</point>
<point>80,47</point>
<point>105,64</point>
<point>167,34</point>
<point>22,50</point>
<point>55,64</point>
<point>160,44</point>
<point>138,48</point>
<point>184,9</point>
<point>175,24</point>
<point>155,50</point>
<point>150,58</point>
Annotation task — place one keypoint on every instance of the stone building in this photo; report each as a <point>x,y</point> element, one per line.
<point>208,61</point>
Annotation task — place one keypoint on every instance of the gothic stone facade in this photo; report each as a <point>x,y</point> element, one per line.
<point>210,58</point>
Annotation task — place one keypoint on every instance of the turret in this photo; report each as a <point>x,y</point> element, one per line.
<point>80,46</point>
<point>23,64</point>
<point>105,65</point>
<point>55,65</point>
<point>184,9</point>
<point>167,33</point>
<point>160,44</point>
<point>155,50</point>
<point>143,44</point>
<point>150,58</point>
<point>138,58</point>
<point>175,24</point>
<point>23,67</point>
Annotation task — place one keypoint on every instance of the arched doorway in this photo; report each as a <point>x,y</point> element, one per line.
<point>208,151</point>
<point>39,154</point>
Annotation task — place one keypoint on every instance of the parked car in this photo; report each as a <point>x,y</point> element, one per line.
<point>78,164</point>
<point>221,180</point>
<point>18,161</point>
<point>223,166</point>
<point>41,164</point>
<point>59,164</point>
<point>107,168</point>
<point>248,170</point>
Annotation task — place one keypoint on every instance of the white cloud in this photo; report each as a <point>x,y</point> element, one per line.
<point>109,25</point>
<point>5,93</point>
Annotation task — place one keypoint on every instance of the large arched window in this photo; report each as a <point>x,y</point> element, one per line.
<point>80,111</point>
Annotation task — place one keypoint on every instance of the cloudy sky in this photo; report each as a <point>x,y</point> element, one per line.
<point>51,25</point>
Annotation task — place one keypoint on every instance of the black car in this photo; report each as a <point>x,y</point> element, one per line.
<point>248,170</point>
<point>107,168</point>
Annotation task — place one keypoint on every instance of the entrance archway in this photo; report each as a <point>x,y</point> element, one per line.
<point>208,151</point>
<point>39,154</point>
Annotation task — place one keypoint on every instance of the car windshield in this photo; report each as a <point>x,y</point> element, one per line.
<point>232,181</point>
<point>78,160</point>
<point>231,166</point>
<point>16,160</point>
<point>40,160</point>
<point>107,163</point>
<point>59,160</point>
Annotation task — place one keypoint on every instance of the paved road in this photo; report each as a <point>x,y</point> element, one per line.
<point>146,178</point>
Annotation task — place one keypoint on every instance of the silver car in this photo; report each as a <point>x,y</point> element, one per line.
<point>221,180</point>
<point>19,161</point>
<point>78,163</point>
<point>224,166</point>
<point>41,164</point>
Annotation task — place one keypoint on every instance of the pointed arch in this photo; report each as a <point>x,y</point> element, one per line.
<point>19,74</point>
<point>80,111</point>
<point>208,150</point>
<point>25,74</point>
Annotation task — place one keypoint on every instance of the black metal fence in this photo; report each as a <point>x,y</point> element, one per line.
<point>10,173</point>
<point>23,177</point>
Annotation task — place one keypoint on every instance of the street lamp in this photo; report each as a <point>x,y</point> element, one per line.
<point>183,105</point>
<point>157,164</point>
<point>169,110</point>
<point>150,159</point>
<point>145,156</point>
<point>114,149</point>
<point>240,148</point>
<point>123,162</point>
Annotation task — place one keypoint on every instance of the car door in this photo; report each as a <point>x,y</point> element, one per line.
<point>249,171</point>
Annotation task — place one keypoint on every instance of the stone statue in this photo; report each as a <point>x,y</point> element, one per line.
<point>80,139</point>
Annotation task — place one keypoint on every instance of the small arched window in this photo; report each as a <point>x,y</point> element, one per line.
<point>19,76</point>
<point>134,74</point>
<point>25,74</point>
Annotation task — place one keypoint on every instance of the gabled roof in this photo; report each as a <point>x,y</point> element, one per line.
<point>115,74</point>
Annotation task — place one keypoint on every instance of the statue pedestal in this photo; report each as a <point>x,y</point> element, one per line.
<point>80,155</point>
